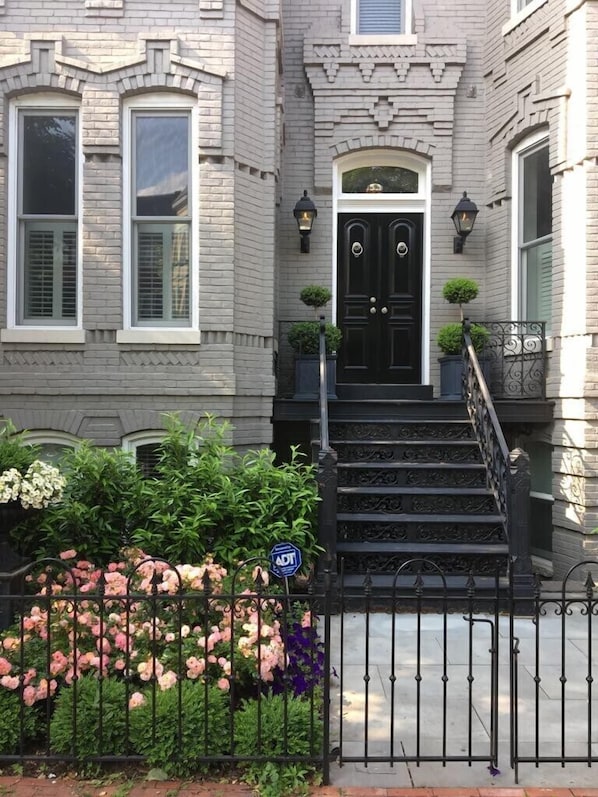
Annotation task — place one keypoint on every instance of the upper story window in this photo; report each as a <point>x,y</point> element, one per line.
<point>533,231</point>
<point>520,11</point>
<point>159,228</point>
<point>44,231</point>
<point>376,18</point>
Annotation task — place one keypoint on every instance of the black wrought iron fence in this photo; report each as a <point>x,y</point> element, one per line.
<point>178,667</point>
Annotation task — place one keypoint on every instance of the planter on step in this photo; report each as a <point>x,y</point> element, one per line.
<point>451,375</point>
<point>307,376</point>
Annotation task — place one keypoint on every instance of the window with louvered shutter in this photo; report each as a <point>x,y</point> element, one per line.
<point>535,234</point>
<point>380,16</point>
<point>47,276</point>
<point>161,219</point>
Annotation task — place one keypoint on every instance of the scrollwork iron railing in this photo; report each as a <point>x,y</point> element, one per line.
<point>494,450</point>
<point>516,351</point>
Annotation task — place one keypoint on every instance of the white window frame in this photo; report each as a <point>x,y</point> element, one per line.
<point>528,146</point>
<point>406,37</point>
<point>130,333</point>
<point>42,332</point>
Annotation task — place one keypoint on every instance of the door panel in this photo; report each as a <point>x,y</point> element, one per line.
<point>379,297</point>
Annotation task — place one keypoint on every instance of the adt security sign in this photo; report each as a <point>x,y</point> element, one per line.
<point>285,559</point>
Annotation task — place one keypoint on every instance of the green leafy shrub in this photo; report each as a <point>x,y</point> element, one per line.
<point>293,729</point>
<point>88,701</point>
<point>177,745</point>
<point>15,452</point>
<point>304,337</point>
<point>12,712</point>
<point>208,499</point>
<point>102,500</point>
<point>450,337</point>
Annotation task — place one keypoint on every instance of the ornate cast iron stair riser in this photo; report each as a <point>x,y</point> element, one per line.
<point>415,489</point>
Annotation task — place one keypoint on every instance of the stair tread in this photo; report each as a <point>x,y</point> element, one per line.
<point>452,582</point>
<point>424,442</point>
<point>420,517</point>
<point>420,547</point>
<point>414,465</point>
<point>382,490</point>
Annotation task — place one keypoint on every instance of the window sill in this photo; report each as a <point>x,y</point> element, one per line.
<point>522,15</point>
<point>39,335</point>
<point>382,38</point>
<point>176,337</point>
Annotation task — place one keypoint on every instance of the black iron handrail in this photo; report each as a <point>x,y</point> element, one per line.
<point>327,467</point>
<point>494,449</point>
<point>507,471</point>
<point>323,392</point>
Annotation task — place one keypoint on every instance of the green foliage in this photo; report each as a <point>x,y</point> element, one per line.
<point>450,337</point>
<point>102,500</point>
<point>82,702</point>
<point>208,499</point>
<point>270,504</point>
<point>315,296</point>
<point>304,337</point>
<point>15,452</point>
<point>12,712</point>
<point>460,290</point>
<point>177,745</point>
<point>288,726</point>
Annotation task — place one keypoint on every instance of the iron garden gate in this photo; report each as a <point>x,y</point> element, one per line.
<point>427,674</point>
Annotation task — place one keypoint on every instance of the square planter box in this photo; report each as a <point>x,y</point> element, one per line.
<point>451,375</point>
<point>307,376</point>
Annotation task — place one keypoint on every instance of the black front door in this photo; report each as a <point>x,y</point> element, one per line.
<point>379,297</point>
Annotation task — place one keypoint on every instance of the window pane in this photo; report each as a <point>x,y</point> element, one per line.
<point>161,165</point>
<point>48,164</point>
<point>162,260</point>
<point>147,457</point>
<point>538,267</point>
<point>537,193</point>
<point>380,16</point>
<point>380,179</point>
<point>50,271</point>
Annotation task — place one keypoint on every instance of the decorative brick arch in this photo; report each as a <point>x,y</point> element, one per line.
<point>388,142</point>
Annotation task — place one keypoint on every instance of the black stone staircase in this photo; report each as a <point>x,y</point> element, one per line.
<point>412,486</point>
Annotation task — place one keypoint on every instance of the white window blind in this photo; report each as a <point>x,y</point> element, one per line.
<point>380,16</point>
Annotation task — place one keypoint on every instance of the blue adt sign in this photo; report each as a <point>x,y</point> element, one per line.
<point>285,559</point>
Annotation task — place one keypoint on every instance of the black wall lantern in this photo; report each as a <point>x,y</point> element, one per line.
<point>463,216</point>
<point>305,212</point>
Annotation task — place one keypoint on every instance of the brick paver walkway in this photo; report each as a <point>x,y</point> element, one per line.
<point>64,787</point>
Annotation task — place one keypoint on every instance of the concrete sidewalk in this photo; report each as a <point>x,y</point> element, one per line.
<point>445,657</point>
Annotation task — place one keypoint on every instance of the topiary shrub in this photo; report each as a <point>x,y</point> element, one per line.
<point>315,296</point>
<point>450,337</point>
<point>304,337</point>
<point>460,290</point>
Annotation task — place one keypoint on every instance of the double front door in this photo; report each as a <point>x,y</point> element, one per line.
<point>380,297</point>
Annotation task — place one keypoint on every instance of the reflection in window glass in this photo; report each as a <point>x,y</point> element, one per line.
<point>162,222</point>
<point>380,180</point>
<point>380,16</point>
